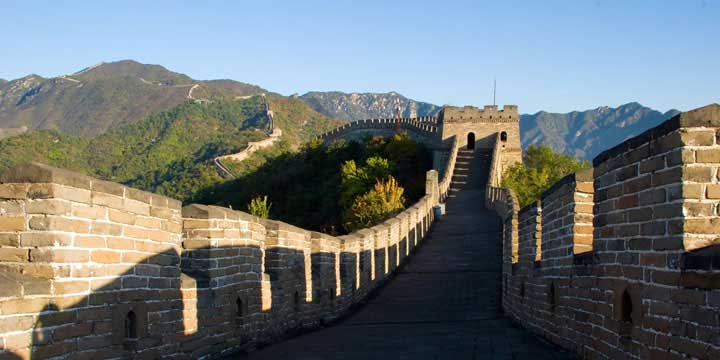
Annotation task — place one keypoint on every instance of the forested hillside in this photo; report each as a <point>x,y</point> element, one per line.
<point>333,188</point>
<point>171,152</point>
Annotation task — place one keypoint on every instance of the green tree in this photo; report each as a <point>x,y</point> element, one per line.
<point>260,207</point>
<point>357,180</point>
<point>540,169</point>
<point>382,202</point>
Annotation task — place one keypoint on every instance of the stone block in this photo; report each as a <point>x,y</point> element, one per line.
<point>701,174</point>
<point>105,256</point>
<point>698,137</point>
<point>59,255</point>
<point>48,206</point>
<point>55,223</point>
<point>12,223</point>
<point>708,155</point>
<point>13,255</point>
<point>713,191</point>
<point>14,191</point>
<point>43,239</point>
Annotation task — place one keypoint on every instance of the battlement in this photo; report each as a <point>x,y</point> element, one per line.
<point>131,274</point>
<point>489,113</point>
<point>623,248</point>
<point>423,128</point>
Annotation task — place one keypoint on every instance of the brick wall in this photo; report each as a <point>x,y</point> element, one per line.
<point>628,253</point>
<point>92,269</point>
<point>422,129</point>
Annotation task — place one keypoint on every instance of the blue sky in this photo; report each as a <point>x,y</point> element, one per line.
<point>549,55</point>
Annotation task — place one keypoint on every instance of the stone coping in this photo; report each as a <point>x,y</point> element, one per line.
<point>586,175</point>
<point>40,173</point>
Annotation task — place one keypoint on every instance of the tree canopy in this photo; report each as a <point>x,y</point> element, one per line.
<point>540,169</point>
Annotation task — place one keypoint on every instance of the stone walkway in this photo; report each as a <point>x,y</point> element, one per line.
<point>444,304</point>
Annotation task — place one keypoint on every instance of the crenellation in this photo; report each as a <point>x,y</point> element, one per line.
<point>198,280</point>
<point>626,247</point>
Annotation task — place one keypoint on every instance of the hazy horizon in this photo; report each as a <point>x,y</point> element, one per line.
<point>555,56</point>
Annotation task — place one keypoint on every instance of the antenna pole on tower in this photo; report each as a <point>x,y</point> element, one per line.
<point>494,89</point>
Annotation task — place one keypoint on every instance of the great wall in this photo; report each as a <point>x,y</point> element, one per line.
<point>273,135</point>
<point>619,261</point>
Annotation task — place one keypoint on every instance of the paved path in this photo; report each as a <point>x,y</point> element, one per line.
<point>444,304</point>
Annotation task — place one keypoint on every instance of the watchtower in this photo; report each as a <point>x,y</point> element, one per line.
<point>478,128</point>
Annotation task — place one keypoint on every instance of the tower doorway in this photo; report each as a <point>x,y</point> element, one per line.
<point>471,141</point>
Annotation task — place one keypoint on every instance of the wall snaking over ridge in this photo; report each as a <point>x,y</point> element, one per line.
<point>621,261</point>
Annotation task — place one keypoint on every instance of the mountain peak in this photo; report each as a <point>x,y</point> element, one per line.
<point>583,134</point>
<point>357,106</point>
<point>132,68</point>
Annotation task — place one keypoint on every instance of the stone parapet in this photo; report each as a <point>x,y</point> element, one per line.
<point>625,267</point>
<point>93,269</point>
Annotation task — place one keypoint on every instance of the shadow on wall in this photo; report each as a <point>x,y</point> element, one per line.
<point>151,311</point>
<point>94,269</point>
<point>209,301</point>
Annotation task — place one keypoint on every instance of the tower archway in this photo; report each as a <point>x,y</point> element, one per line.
<point>471,140</point>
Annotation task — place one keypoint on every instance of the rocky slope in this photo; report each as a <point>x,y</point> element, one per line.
<point>358,106</point>
<point>584,134</point>
<point>101,97</point>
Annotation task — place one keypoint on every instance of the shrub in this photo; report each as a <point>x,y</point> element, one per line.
<point>541,168</point>
<point>382,202</point>
<point>260,207</point>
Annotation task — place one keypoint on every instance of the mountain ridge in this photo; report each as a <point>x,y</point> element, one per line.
<point>108,95</point>
<point>584,134</point>
<point>357,106</point>
<point>97,98</point>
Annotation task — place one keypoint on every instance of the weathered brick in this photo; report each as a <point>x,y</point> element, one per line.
<point>105,257</point>
<point>89,212</point>
<point>48,206</point>
<point>626,202</point>
<point>43,238</point>
<point>713,191</point>
<point>12,208</point>
<point>669,176</point>
<point>698,209</point>
<point>47,191</point>
<point>122,217</point>
<point>701,174</point>
<point>18,341</point>
<point>136,207</point>
<point>680,156</point>
<point>653,164</point>
<point>55,223</point>
<point>148,222</point>
<point>13,191</point>
<point>135,232</point>
<point>652,196</point>
<point>102,199</point>
<point>13,254</point>
<point>59,255</point>
<point>10,239</point>
<point>20,306</point>
<point>90,241</point>
<point>698,138</point>
<point>708,155</point>
<point>71,287</point>
<point>692,191</point>
<point>702,226</point>
<point>12,223</point>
